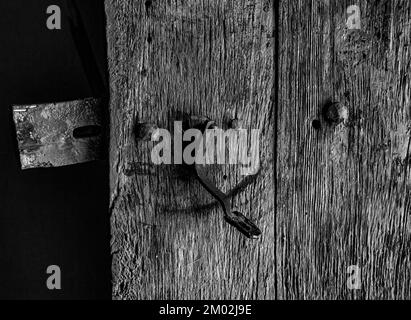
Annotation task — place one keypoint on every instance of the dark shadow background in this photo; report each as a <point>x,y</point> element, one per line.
<point>49,216</point>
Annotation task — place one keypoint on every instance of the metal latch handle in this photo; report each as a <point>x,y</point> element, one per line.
<point>234,218</point>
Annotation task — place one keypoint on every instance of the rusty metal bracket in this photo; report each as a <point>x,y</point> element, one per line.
<point>59,134</point>
<point>65,133</point>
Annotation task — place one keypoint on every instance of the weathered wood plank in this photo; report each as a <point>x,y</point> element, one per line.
<point>344,191</point>
<point>201,57</point>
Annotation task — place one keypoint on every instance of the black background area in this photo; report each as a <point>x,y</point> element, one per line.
<point>53,216</point>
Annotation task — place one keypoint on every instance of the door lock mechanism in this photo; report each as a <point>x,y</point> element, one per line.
<point>145,131</point>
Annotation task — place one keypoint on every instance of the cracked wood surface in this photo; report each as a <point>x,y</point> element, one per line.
<point>344,191</point>
<point>204,58</point>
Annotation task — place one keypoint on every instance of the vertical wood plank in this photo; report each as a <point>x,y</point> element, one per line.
<point>344,191</point>
<point>202,57</point>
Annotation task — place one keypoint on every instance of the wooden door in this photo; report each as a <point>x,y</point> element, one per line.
<point>327,197</point>
<point>344,190</point>
<point>202,58</point>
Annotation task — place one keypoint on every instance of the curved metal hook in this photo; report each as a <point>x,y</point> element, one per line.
<point>234,218</point>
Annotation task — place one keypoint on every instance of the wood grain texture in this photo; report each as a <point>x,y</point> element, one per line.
<point>210,58</point>
<point>344,191</point>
